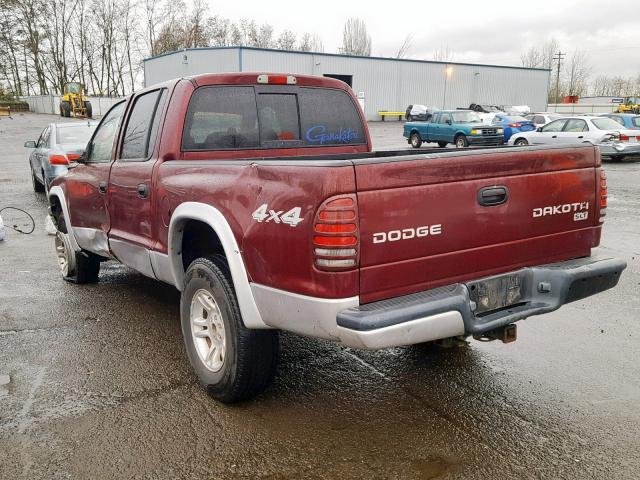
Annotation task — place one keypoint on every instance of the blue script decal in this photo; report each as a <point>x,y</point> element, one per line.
<point>319,134</point>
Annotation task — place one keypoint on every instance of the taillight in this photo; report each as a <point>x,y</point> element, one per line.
<point>336,240</point>
<point>603,195</point>
<point>624,138</point>
<point>73,156</point>
<point>58,159</point>
<point>515,125</point>
<point>277,79</point>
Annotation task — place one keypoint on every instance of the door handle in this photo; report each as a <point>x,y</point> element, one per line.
<point>581,136</point>
<point>143,191</point>
<point>554,136</point>
<point>492,196</point>
<point>102,186</point>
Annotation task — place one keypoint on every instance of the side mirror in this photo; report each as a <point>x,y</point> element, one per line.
<point>539,129</point>
<point>30,144</point>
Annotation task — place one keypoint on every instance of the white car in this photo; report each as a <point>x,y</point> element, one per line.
<point>542,118</point>
<point>614,142</point>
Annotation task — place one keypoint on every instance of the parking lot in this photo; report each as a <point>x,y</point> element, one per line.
<point>100,386</point>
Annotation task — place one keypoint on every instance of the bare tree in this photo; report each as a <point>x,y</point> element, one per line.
<point>443,54</point>
<point>286,40</point>
<point>577,73</point>
<point>355,39</point>
<point>311,43</point>
<point>403,51</point>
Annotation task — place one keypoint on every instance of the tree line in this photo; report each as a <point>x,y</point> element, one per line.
<point>101,43</point>
<point>576,74</point>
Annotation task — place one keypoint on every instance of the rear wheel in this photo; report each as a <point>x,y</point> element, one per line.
<point>89,109</point>
<point>521,142</point>
<point>232,362</point>
<point>65,109</point>
<point>75,266</point>
<point>442,144</point>
<point>37,186</point>
<point>415,140</point>
<point>461,141</point>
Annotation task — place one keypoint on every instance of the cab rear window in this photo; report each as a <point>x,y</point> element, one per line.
<point>246,117</point>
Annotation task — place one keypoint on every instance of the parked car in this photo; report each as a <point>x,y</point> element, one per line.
<point>542,118</point>
<point>258,196</point>
<point>629,121</point>
<point>512,124</point>
<point>460,127</point>
<point>615,143</point>
<point>418,112</point>
<point>58,145</point>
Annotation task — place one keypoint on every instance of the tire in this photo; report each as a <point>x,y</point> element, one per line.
<point>65,107</point>
<point>521,142</point>
<point>37,186</point>
<point>76,267</point>
<point>415,140</point>
<point>409,118</point>
<point>442,144</point>
<point>232,362</point>
<point>45,185</point>
<point>89,109</point>
<point>461,141</point>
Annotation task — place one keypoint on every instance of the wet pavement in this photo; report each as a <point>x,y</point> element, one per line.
<point>97,384</point>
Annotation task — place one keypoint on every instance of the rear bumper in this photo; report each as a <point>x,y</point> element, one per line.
<point>448,311</point>
<point>619,150</point>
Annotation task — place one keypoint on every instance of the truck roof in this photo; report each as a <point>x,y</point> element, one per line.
<point>251,78</point>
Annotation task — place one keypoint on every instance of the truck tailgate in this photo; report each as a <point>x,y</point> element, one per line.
<point>429,222</point>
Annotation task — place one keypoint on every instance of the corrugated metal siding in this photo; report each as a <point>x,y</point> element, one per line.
<point>387,84</point>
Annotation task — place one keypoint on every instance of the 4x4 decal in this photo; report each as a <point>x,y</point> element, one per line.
<point>291,217</point>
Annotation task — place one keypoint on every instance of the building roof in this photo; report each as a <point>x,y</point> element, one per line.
<point>273,50</point>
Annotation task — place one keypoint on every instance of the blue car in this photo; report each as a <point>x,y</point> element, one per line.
<point>629,121</point>
<point>512,124</point>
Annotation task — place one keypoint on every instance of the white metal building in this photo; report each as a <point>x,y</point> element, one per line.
<point>384,83</point>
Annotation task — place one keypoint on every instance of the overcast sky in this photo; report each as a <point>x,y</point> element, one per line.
<point>478,31</point>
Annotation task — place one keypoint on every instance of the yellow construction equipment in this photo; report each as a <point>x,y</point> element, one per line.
<point>73,101</point>
<point>630,105</point>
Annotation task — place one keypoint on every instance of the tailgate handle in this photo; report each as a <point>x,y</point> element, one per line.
<point>491,196</point>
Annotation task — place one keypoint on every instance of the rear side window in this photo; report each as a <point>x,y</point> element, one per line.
<point>329,117</point>
<point>136,137</point>
<point>575,125</point>
<point>221,118</point>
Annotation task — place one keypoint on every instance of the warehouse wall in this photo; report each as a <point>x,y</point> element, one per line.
<point>387,84</point>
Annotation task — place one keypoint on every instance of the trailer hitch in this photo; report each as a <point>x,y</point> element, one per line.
<point>507,334</point>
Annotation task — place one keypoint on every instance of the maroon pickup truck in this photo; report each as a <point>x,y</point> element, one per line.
<point>259,197</point>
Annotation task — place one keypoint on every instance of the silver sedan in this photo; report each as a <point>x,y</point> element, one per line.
<point>59,144</point>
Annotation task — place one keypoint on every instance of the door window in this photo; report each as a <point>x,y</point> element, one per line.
<point>101,145</point>
<point>555,126</point>
<point>575,125</point>
<point>136,143</point>
<point>44,137</point>
<point>444,117</point>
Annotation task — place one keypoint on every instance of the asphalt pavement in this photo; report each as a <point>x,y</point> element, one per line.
<point>95,383</point>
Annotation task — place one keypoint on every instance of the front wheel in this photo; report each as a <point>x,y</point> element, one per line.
<point>37,186</point>
<point>89,109</point>
<point>442,144</point>
<point>461,141</point>
<point>521,142</point>
<point>232,362</point>
<point>415,140</point>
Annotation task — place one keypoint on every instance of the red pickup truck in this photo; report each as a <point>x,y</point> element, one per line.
<point>259,197</point>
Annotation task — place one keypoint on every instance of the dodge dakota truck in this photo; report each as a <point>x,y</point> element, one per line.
<point>259,197</point>
<point>460,127</point>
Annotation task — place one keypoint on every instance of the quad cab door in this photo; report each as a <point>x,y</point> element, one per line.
<point>574,131</point>
<point>86,186</point>
<point>130,190</point>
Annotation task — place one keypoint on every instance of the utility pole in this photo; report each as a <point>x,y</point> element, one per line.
<point>558,57</point>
